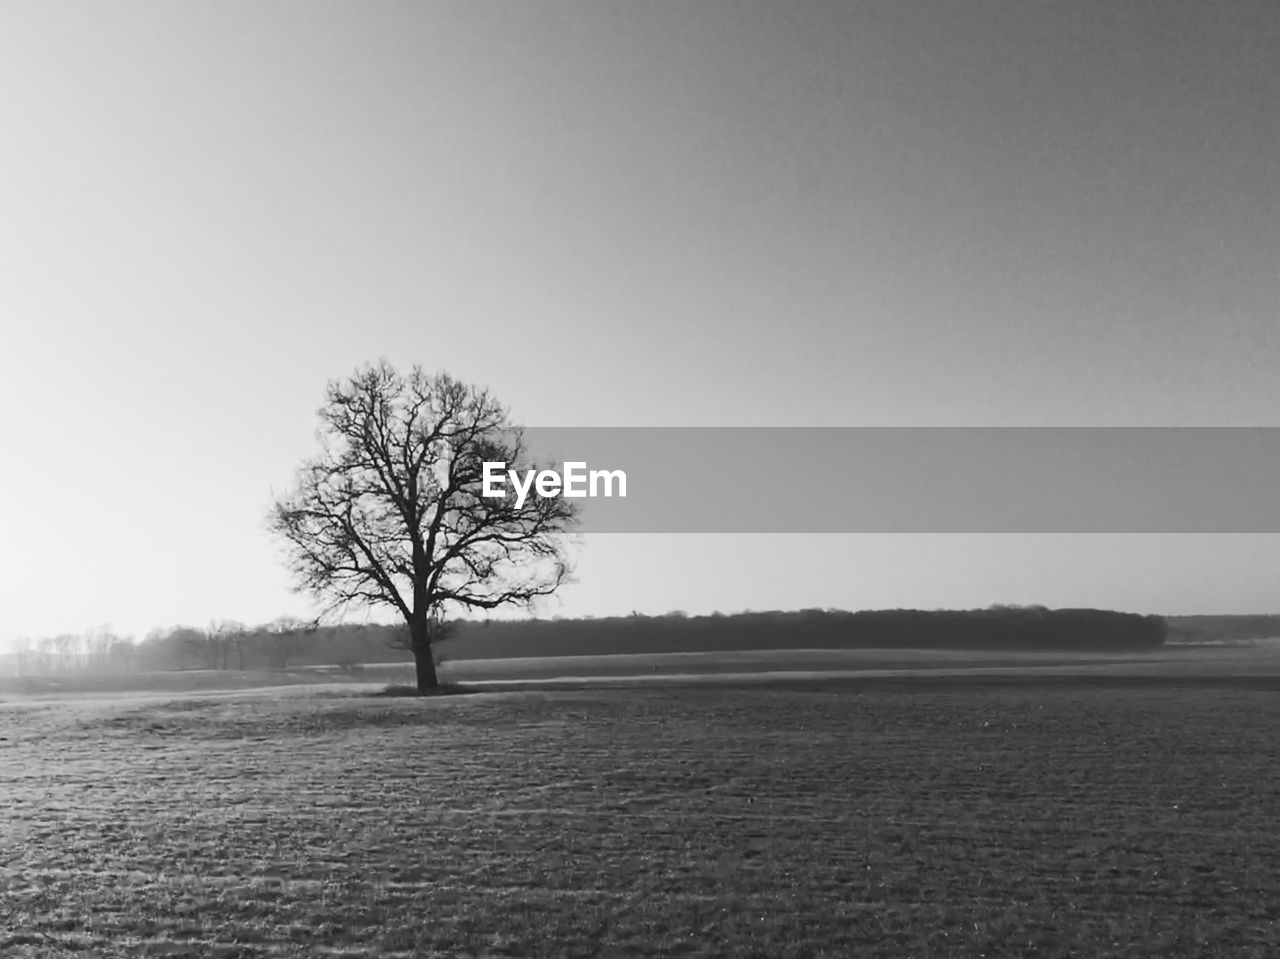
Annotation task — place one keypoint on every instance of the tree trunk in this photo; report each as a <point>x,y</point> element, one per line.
<point>425,667</point>
<point>424,663</point>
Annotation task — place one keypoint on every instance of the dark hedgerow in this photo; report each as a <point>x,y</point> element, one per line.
<point>1020,628</point>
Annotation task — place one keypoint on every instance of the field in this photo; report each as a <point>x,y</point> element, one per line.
<point>1191,661</point>
<point>838,818</point>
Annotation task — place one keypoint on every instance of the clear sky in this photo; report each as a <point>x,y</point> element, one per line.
<point>1013,212</point>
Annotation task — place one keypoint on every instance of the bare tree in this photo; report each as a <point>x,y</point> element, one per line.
<point>120,654</point>
<point>202,643</point>
<point>65,649</point>
<point>226,635</point>
<point>390,513</point>
<point>24,655</point>
<point>214,645</point>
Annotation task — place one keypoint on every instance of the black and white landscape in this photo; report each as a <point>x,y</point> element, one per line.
<point>608,478</point>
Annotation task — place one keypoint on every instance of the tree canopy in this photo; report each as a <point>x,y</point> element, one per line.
<point>390,514</point>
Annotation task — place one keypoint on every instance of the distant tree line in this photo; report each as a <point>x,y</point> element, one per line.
<point>999,627</point>
<point>224,644</point>
<point>1205,629</point>
<point>289,643</point>
<point>97,650</point>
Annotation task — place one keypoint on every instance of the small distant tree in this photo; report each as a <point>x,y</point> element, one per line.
<point>23,655</point>
<point>121,653</point>
<point>202,644</point>
<point>65,651</point>
<point>226,636</point>
<point>390,512</point>
<point>282,636</point>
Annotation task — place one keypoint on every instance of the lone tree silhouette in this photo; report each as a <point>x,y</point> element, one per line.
<point>390,513</point>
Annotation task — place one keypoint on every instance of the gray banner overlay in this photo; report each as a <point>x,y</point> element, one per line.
<point>925,480</point>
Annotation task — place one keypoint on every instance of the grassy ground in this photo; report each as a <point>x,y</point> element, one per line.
<point>698,821</point>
